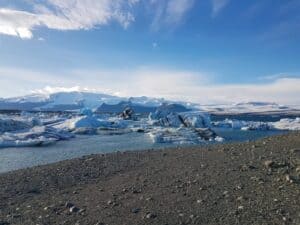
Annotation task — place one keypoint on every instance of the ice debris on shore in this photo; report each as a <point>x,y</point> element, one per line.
<point>169,123</point>
<point>243,125</point>
<point>283,124</point>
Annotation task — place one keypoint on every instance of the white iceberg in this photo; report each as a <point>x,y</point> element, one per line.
<point>82,122</point>
<point>195,119</point>
<point>175,115</point>
<point>287,124</point>
<point>183,135</point>
<point>36,136</point>
<point>243,125</point>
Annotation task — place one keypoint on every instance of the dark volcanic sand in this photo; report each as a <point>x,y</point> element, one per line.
<point>223,184</point>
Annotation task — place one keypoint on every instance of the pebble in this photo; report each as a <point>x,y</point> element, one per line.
<point>69,204</point>
<point>268,163</point>
<point>240,198</point>
<point>240,207</point>
<point>4,223</point>
<point>288,178</point>
<point>225,193</point>
<point>149,199</point>
<point>150,216</point>
<point>110,202</point>
<point>136,210</point>
<point>74,209</point>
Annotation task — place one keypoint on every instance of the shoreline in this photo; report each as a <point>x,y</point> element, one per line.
<point>235,183</point>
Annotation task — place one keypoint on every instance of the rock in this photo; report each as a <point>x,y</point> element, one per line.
<point>240,207</point>
<point>74,209</point>
<point>240,198</point>
<point>69,204</point>
<point>4,223</point>
<point>289,179</point>
<point>150,216</point>
<point>136,210</point>
<point>134,191</point>
<point>110,202</point>
<point>268,163</point>
<point>295,151</point>
<point>149,199</point>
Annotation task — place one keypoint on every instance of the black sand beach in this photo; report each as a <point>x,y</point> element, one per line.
<point>241,183</point>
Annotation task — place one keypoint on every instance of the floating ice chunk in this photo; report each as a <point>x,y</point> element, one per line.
<point>40,141</point>
<point>8,125</point>
<point>82,122</point>
<point>219,139</point>
<point>36,136</point>
<point>174,115</point>
<point>181,135</point>
<point>242,125</point>
<point>287,124</point>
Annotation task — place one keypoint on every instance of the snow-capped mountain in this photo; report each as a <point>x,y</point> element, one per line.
<point>62,101</point>
<point>248,107</point>
<point>76,100</point>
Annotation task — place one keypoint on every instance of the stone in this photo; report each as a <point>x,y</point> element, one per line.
<point>136,210</point>
<point>150,216</point>
<point>74,209</point>
<point>69,204</point>
<point>110,202</point>
<point>268,163</point>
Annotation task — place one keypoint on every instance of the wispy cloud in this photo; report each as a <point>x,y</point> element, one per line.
<point>277,76</point>
<point>169,12</point>
<point>87,14</point>
<point>218,6</point>
<point>65,15</point>
<point>156,82</point>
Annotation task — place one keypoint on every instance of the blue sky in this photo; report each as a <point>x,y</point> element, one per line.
<point>198,50</point>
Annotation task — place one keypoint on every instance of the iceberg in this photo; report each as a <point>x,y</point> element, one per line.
<point>8,125</point>
<point>37,136</point>
<point>82,122</point>
<point>287,124</point>
<point>183,135</point>
<point>175,115</point>
<point>242,125</point>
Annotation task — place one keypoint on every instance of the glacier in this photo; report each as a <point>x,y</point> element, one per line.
<point>47,119</point>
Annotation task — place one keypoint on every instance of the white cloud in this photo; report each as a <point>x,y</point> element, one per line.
<point>156,82</point>
<point>65,15</point>
<point>88,14</point>
<point>218,6</point>
<point>169,12</point>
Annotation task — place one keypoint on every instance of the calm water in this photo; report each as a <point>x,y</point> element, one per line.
<point>18,158</point>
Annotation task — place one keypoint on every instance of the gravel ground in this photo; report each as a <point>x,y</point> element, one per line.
<point>242,183</point>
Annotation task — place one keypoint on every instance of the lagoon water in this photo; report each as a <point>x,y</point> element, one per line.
<point>18,158</point>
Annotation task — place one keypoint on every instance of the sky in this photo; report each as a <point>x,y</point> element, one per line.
<point>205,51</point>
